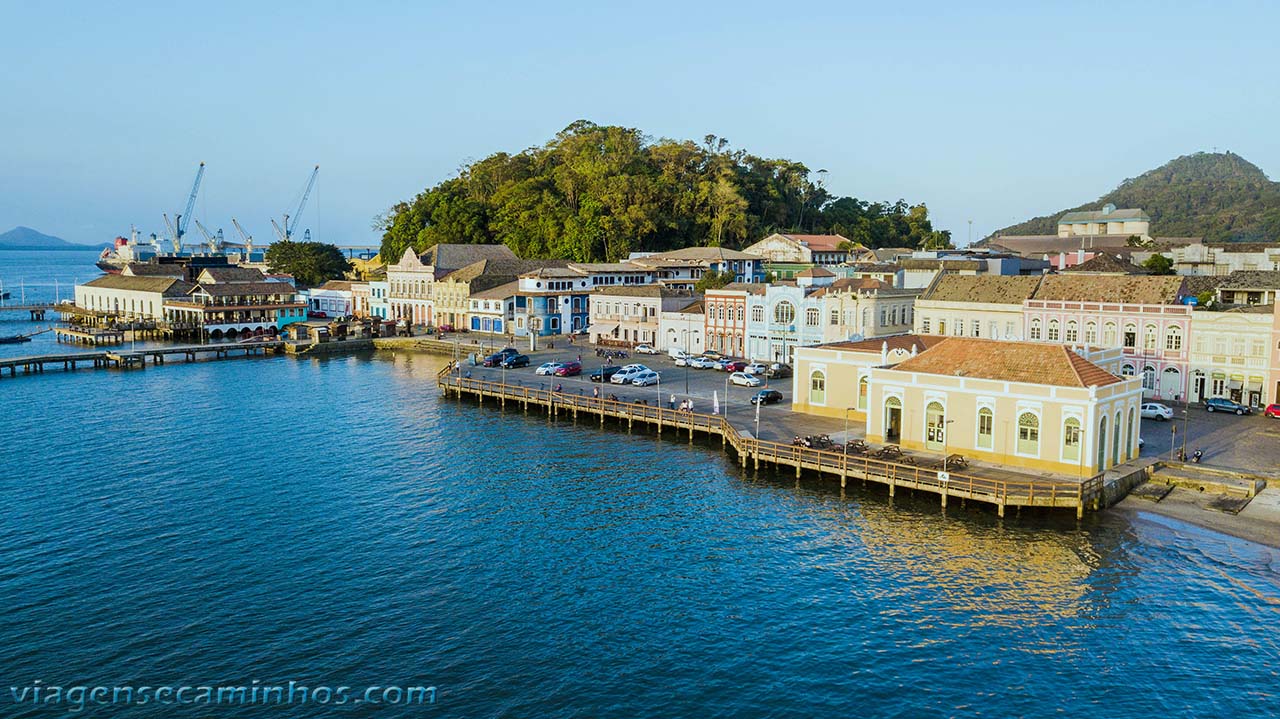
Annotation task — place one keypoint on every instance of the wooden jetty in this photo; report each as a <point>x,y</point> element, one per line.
<point>135,359</point>
<point>37,311</point>
<point>95,336</point>
<point>1008,489</point>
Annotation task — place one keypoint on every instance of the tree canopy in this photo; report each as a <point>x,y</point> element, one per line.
<point>310,263</point>
<point>596,193</point>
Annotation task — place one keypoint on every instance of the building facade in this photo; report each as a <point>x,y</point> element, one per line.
<point>833,379</point>
<point>725,317</point>
<point>632,315</point>
<point>130,297</point>
<point>985,306</point>
<point>1231,355</point>
<point>683,329</point>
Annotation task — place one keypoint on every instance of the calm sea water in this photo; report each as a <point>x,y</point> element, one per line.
<point>335,522</point>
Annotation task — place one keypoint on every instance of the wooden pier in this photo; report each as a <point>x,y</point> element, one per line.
<point>37,311</point>
<point>973,484</point>
<point>93,336</point>
<point>135,359</point>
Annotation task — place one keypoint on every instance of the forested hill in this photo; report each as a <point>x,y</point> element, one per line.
<point>1218,196</point>
<point>600,192</point>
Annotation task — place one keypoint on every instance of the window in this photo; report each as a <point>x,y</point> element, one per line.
<point>1173,339</point>
<point>757,314</point>
<point>1127,370</point>
<point>924,326</point>
<point>1149,377</point>
<point>942,327</point>
<point>1071,440</point>
<point>1035,328</point>
<point>977,328</point>
<point>1008,330</point>
<point>741,312</point>
<point>1029,434</point>
<point>884,317</point>
<point>1073,331</point>
<point>986,424</point>
<point>1109,335</point>
<point>862,394</point>
<point>1054,335</point>
<point>1149,337</point>
<point>1131,335</point>
<point>817,388</point>
<point>784,313</point>
<point>835,317</point>
<point>811,317</point>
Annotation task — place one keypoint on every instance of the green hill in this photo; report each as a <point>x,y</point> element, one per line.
<point>1219,196</point>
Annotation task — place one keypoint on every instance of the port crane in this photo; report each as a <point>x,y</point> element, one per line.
<point>285,231</point>
<point>248,238</point>
<point>178,227</point>
<point>214,239</point>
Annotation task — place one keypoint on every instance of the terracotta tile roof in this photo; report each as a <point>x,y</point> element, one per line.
<point>1104,263</point>
<point>700,254</point>
<point>338,285</point>
<point>819,243</point>
<point>816,272</point>
<point>232,274</point>
<point>641,291</point>
<point>1251,280</point>
<point>876,267</point>
<point>248,289</point>
<point>693,308</point>
<point>447,257</point>
<point>751,288</point>
<point>501,292</point>
<point>938,263</point>
<point>1197,284</point>
<point>167,286</point>
<point>907,342</point>
<point>989,289</point>
<point>1131,289</point>
<point>1027,362</point>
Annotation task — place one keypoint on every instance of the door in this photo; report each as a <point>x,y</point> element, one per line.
<point>892,419</point>
<point>935,427</point>
<point>1197,389</point>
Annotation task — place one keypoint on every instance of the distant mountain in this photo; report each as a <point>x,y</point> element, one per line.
<point>25,238</point>
<point>1217,196</point>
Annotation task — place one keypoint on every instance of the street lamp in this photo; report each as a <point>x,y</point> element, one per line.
<point>946,435</point>
<point>847,410</point>
<point>758,403</point>
<point>685,333</point>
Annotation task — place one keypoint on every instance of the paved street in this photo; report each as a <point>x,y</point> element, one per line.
<point>1251,442</point>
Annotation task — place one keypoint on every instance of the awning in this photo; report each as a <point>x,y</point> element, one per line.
<point>1255,384</point>
<point>605,329</point>
<point>1235,384</point>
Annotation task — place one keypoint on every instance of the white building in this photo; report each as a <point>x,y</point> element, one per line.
<point>130,297</point>
<point>684,328</point>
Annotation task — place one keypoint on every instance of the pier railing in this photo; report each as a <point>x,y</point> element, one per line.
<point>1001,490</point>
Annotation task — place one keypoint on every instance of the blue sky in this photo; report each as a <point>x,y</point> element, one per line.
<point>991,112</point>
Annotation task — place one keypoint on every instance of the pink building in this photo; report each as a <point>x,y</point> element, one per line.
<point>1142,315</point>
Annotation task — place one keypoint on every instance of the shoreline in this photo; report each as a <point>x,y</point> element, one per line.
<point>1259,522</point>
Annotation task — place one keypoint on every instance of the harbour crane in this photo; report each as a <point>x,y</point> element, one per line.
<point>284,230</point>
<point>178,227</point>
<point>214,239</point>
<point>248,238</point>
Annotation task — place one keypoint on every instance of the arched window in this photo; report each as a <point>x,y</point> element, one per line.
<point>1109,335</point>
<point>1148,377</point>
<point>1029,434</point>
<point>1035,328</point>
<point>1071,440</point>
<point>741,312</point>
<point>1128,436</point>
<point>935,426</point>
<point>1054,335</point>
<point>1127,370</point>
<point>811,317</point>
<point>817,387</point>
<point>1173,339</point>
<point>1130,335</point>
<point>784,313</point>
<point>862,394</point>
<point>986,428</point>
<point>757,314</point>
<point>1073,332</point>
<point>1102,444</point>
<point>1149,337</point>
<point>1091,333</point>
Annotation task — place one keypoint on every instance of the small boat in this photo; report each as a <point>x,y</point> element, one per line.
<point>14,339</point>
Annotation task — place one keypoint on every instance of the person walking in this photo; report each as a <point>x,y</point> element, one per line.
<point>595,392</point>
<point>671,404</point>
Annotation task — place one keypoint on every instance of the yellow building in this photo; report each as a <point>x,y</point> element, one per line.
<point>831,379</point>
<point>1230,354</point>
<point>975,306</point>
<point>1021,404</point>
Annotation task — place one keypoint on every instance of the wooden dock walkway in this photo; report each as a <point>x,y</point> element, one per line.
<point>1002,489</point>
<point>135,359</point>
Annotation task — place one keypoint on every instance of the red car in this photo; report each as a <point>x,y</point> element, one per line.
<point>569,369</point>
<point>735,366</point>
<point>1272,410</point>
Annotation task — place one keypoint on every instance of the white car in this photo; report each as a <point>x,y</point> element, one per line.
<point>701,362</point>
<point>645,378</point>
<point>1155,410</point>
<point>676,353</point>
<point>682,361</point>
<point>743,379</point>
<point>646,350</point>
<point>548,368</point>
<point>755,368</point>
<point>628,373</point>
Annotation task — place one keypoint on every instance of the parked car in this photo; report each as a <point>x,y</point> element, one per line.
<point>712,354</point>
<point>683,361</point>
<point>604,373</point>
<point>722,363</point>
<point>1272,410</point>
<point>735,366</point>
<point>701,362</point>
<point>676,353</point>
<point>756,369</point>
<point>513,361</point>
<point>569,369</point>
<point>628,373</point>
<point>778,371</point>
<point>646,350</point>
<point>645,378</point>
<point>1157,411</point>
<point>496,358</point>
<point>1222,404</point>
<point>548,368</point>
<point>742,379</point>
<point>766,396</point>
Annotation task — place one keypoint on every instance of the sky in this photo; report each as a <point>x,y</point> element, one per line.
<point>989,113</point>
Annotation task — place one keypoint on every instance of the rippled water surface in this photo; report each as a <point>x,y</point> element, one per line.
<point>334,521</point>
